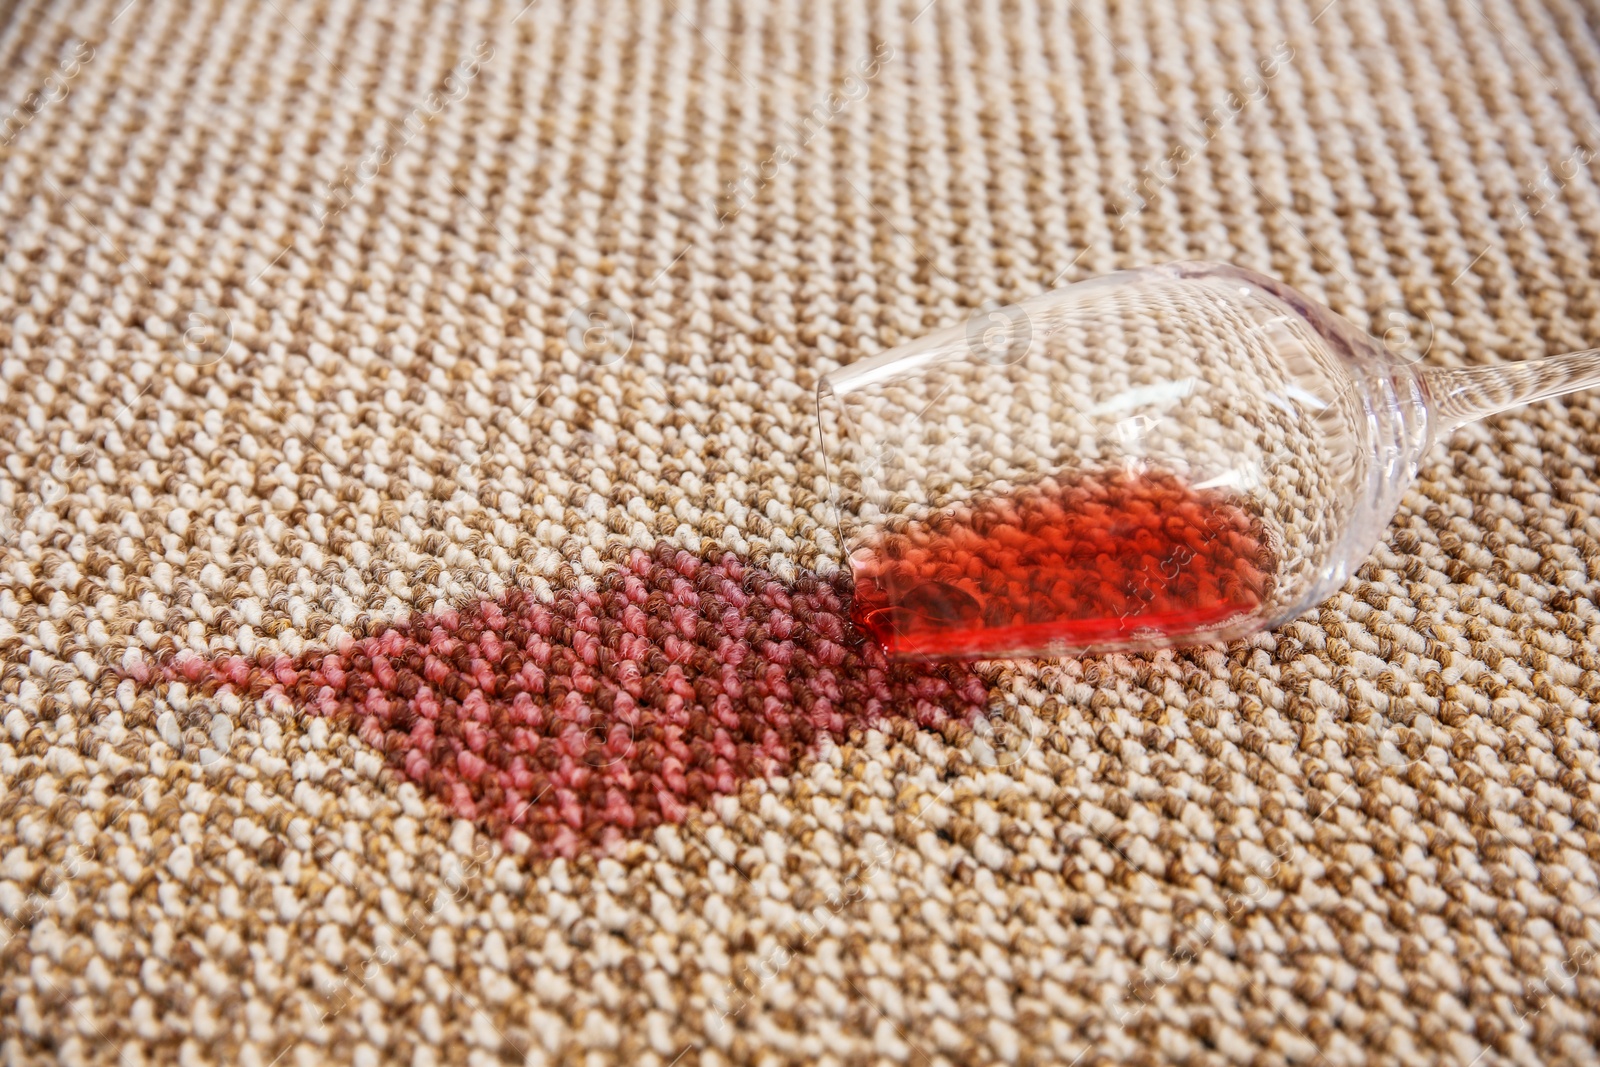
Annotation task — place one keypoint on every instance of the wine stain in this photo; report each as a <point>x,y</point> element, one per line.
<point>594,718</point>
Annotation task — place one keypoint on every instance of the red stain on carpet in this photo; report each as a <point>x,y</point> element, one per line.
<point>604,714</point>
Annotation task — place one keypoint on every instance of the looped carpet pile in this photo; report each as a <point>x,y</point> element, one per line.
<point>422,635</point>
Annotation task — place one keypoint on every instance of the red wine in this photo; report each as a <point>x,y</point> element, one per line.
<point>582,722</point>
<point>1064,565</point>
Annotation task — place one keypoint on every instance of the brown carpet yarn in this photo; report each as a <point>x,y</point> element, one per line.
<point>314,314</point>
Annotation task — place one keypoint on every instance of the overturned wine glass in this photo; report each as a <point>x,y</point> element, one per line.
<point>1175,455</point>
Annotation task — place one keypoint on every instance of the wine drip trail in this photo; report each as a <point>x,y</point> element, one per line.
<point>580,723</point>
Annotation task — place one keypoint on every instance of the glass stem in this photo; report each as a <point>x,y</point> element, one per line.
<point>1459,396</point>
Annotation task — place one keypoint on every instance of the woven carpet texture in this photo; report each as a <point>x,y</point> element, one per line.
<point>422,634</point>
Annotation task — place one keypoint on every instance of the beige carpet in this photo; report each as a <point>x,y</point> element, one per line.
<point>320,315</point>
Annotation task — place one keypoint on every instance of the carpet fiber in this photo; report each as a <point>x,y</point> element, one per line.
<point>422,636</point>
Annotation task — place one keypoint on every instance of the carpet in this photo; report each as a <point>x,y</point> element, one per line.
<point>421,637</point>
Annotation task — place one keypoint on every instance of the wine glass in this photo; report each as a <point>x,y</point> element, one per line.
<point>1180,454</point>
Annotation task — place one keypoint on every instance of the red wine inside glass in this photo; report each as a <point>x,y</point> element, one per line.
<point>1064,565</point>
